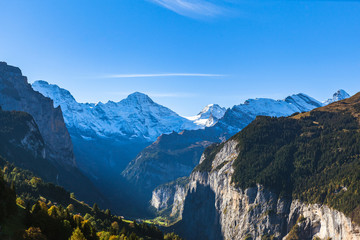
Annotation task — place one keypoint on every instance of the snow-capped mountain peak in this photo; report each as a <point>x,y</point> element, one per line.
<point>339,95</point>
<point>136,116</point>
<point>58,95</point>
<point>213,109</point>
<point>303,102</point>
<point>209,116</point>
<point>137,98</point>
<point>241,115</point>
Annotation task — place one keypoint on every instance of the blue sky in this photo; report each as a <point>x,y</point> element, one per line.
<point>185,54</point>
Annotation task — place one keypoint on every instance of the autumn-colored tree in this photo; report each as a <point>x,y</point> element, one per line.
<point>43,206</point>
<point>114,237</point>
<point>114,230</point>
<point>20,202</point>
<point>53,212</point>
<point>108,213</point>
<point>78,219</point>
<point>34,234</point>
<point>88,230</point>
<point>77,235</point>
<point>103,235</point>
<point>172,236</point>
<point>70,208</point>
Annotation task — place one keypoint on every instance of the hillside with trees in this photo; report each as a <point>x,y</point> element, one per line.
<point>312,156</point>
<point>32,209</point>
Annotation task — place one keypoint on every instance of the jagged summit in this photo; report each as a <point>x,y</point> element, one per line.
<point>339,95</point>
<point>241,115</point>
<point>171,162</point>
<point>58,95</point>
<point>10,69</point>
<point>209,116</point>
<point>303,102</point>
<point>213,109</point>
<point>135,117</point>
<point>261,166</point>
<point>17,94</point>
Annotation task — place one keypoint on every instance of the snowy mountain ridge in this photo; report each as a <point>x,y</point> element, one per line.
<point>209,116</point>
<point>339,95</point>
<point>175,155</point>
<point>136,116</point>
<point>241,115</point>
<point>139,117</point>
<point>276,108</point>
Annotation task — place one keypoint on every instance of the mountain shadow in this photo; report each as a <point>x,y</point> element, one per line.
<point>202,219</point>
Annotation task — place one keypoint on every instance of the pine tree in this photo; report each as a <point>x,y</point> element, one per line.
<point>95,208</point>
<point>108,213</point>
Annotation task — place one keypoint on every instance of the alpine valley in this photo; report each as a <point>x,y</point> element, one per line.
<point>263,169</point>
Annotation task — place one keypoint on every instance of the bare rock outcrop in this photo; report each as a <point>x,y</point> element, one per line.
<point>17,94</point>
<point>214,208</point>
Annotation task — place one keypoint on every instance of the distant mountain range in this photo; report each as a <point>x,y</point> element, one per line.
<point>241,115</point>
<point>118,129</point>
<point>286,178</point>
<point>175,155</point>
<point>107,136</point>
<point>136,117</point>
<point>112,138</point>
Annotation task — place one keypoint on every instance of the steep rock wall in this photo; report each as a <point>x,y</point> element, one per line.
<point>253,213</point>
<point>17,94</point>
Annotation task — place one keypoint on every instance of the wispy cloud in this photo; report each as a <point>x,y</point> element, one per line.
<point>158,94</point>
<point>192,8</point>
<point>163,75</point>
<point>214,8</point>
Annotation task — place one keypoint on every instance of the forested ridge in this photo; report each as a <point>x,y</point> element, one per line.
<point>33,209</point>
<point>313,156</point>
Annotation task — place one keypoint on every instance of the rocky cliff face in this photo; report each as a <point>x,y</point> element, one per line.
<point>43,144</point>
<point>175,155</point>
<point>168,198</point>
<point>32,140</point>
<point>22,143</point>
<point>17,94</point>
<point>214,209</point>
